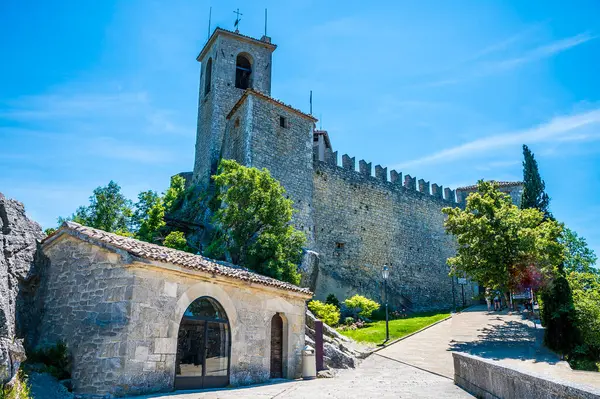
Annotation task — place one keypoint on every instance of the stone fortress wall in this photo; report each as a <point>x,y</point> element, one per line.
<point>363,222</point>
<point>354,221</point>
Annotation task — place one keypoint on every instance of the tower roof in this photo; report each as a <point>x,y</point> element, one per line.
<point>265,41</point>
<point>501,184</point>
<point>270,99</point>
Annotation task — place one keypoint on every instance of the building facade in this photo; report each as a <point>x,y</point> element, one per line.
<point>354,219</point>
<point>139,318</point>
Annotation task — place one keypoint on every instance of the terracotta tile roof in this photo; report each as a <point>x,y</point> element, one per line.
<point>271,100</point>
<point>500,184</point>
<point>154,252</point>
<point>218,31</point>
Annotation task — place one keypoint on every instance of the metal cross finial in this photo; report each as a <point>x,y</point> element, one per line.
<point>237,19</point>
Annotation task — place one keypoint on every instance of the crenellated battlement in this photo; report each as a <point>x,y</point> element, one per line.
<point>395,178</point>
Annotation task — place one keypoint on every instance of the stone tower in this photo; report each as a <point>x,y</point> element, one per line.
<point>231,63</point>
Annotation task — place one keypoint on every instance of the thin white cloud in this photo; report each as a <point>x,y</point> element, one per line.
<point>558,129</point>
<point>544,51</point>
<point>82,109</point>
<point>477,67</point>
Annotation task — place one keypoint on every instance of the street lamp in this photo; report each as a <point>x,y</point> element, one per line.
<point>386,273</point>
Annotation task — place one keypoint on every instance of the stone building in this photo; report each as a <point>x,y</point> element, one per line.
<point>512,188</point>
<point>355,221</point>
<point>140,318</point>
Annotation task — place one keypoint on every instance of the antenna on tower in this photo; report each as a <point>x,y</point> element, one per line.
<point>311,102</point>
<point>320,121</point>
<point>265,22</point>
<point>209,16</point>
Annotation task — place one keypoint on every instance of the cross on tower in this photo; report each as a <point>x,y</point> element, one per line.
<point>237,19</point>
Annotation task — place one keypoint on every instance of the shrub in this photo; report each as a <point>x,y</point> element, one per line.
<point>327,313</point>
<point>363,305</point>
<point>586,297</point>
<point>19,390</point>
<point>332,300</point>
<point>176,240</point>
<point>349,321</point>
<point>55,359</point>
<point>559,317</point>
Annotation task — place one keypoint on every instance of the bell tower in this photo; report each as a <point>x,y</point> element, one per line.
<point>231,63</point>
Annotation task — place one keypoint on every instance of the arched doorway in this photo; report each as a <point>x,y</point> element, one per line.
<point>203,346</point>
<point>276,346</point>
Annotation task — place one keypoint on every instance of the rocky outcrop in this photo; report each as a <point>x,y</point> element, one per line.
<point>339,352</point>
<point>19,241</point>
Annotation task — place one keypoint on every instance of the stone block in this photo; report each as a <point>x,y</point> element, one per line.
<point>165,345</point>
<point>170,289</point>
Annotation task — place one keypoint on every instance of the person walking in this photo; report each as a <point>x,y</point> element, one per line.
<point>488,299</point>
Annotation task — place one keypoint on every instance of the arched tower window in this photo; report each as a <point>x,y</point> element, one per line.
<point>243,71</point>
<point>208,76</point>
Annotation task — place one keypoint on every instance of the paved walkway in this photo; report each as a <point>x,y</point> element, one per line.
<point>510,339</point>
<point>376,377</point>
<point>421,366</point>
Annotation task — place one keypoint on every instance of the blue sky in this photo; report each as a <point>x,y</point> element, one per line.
<point>447,91</point>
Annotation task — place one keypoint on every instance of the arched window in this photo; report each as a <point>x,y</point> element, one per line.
<point>243,70</point>
<point>203,346</point>
<point>207,76</point>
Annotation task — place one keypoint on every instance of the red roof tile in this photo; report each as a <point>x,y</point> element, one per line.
<point>158,253</point>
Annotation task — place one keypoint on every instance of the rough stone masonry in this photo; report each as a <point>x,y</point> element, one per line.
<point>355,220</point>
<point>19,240</point>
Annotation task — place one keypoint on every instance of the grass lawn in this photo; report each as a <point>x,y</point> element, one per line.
<point>375,332</point>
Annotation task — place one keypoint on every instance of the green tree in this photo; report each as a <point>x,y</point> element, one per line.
<point>558,315</point>
<point>149,215</point>
<point>176,240</point>
<point>586,298</point>
<point>174,195</point>
<point>253,223</point>
<point>498,243</point>
<point>534,195</point>
<point>579,257</point>
<point>108,210</point>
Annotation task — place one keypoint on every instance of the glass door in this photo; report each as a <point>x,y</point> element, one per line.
<point>203,347</point>
<point>217,356</point>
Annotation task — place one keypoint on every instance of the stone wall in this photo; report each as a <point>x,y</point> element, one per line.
<point>363,222</point>
<point>120,319</point>
<point>19,240</point>
<point>489,380</point>
<point>255,138</point>
<point>87,304</point>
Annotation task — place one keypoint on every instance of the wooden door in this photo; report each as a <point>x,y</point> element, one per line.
<point>276,347</point>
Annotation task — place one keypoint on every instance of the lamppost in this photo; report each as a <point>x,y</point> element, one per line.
<point>386,273</point>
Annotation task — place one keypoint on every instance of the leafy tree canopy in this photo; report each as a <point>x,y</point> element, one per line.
<point>579,257</point>
<point>109,210</point>
<point>534,195</point>
<point>253,223</point>
<point>500,244</point>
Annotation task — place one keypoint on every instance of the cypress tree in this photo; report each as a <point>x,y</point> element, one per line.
<point>534,195</point>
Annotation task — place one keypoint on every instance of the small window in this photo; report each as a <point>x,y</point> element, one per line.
<point>208,76</point>
<point>283,121</point>
<point>339,245</point>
